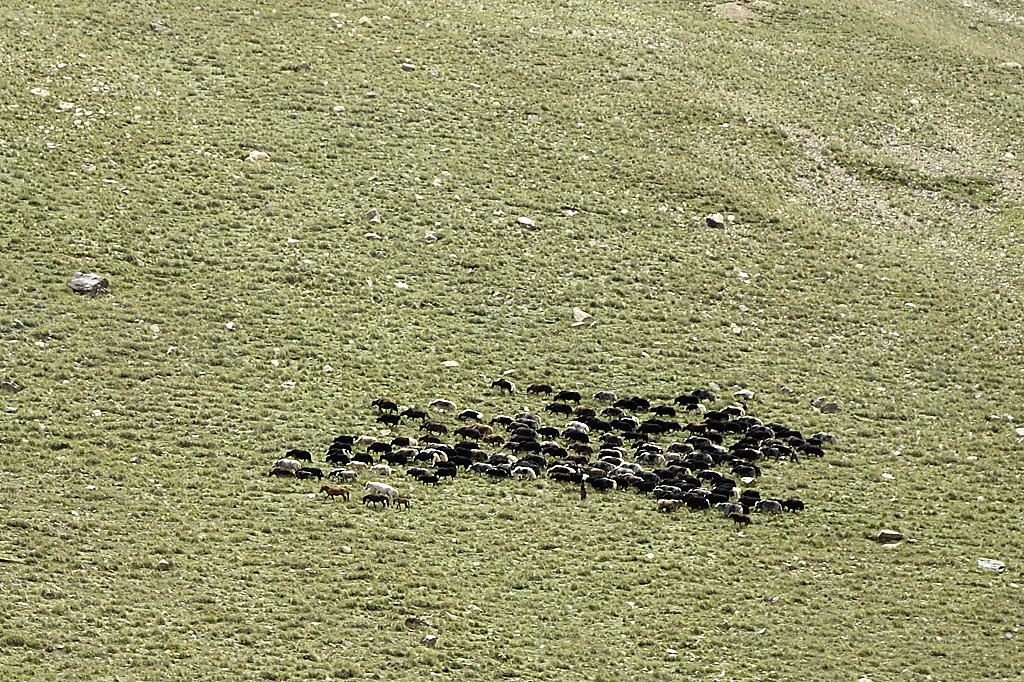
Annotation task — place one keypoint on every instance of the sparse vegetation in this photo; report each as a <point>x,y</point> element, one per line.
<point>867,156</point>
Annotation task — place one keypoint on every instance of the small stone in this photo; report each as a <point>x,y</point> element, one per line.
<point>88,283</point>
<point>715,220</point>
<point>371,95</point>
<point>991,565</point>
<point>159,27</point>
<point>40,92</point>
<point>450,363</point>
<point>1019,431</point>
<point>301,66</point>
<point>345,549</point>
<point>373,215</point>
<point>365,21</point>
<point>819,401</point>
<point>429,641</point>
<point>744,393</point>
<point>580,318</point>
<point>831,407</point>
<point>10,386</point>
<point>257,157</point>
<point>230,326</point>
<point>888,535</point>
<point>430,237</point>
<point>787,390</point>
<point>526,222</point>
<point>373,236</point>
<point>1010,65</point>
<point>408,68</point>
<point>163,565</point>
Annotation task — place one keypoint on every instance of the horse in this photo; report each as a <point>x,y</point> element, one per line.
<point>374,498</point>
<point>334,491</point>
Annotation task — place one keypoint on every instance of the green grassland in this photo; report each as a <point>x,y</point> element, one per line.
<point>868,156</point>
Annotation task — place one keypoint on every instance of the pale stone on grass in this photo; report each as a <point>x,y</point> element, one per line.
<point>408,68</point>
<point>715,220</point>
<point>88,283</point>
<point>735,11</point>
<point>373,215</point>
<point>888,536</point>
<point>991,565</point>
<point>256,156</point>
<point>581,317</point>
<point>526,222</point>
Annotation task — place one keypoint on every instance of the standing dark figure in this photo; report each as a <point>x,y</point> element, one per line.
<point>583,490</point>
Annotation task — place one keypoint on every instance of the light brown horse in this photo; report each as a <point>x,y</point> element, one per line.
<point>334,491</point>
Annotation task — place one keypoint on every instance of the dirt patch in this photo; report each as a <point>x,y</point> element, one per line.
<point>735,11</point>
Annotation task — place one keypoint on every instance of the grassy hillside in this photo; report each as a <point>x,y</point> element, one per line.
<point>867,156</point>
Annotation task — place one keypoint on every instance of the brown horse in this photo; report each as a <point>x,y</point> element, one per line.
<point>374,499</point>
<point>334,491</point>
<point>401,502</point>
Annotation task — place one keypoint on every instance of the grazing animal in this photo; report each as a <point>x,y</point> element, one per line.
<point>568,396</point>
<point>401,502</point>
<point>282,472</point>
<point>345,474</point>
<point>385,405</point>
<point>292,464</point>
<point>415,413</point>
<point>467,415</point>
<point>434,427</point>
<point>605,396</point>
<point>442,405</point>
<point>524,473</point>
<point>540,388</point>
<point>558,408</point>
<point>381,489</point>
<point>739,518</point>
<point>669,505</point>
<point>504,384</point>
<point>391,420</point>
<point>374,498</point>
<point>430,479</point>
<point>300,455</point>
<point>769,506</point>
<point>303,474</point>
<point>381,470</point>
<point>793,505</point>
<point>334,491</point>
<point>310,472</point>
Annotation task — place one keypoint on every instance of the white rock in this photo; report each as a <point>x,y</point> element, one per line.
<point>526,222</point>
<point>715,220</point>
<point>888,536</point>
<point>163,565</point>
<point>580,317</point>
<point>991,565</point>
<point>258,157</point>
<point>429,641</point>
<point>450,363</point>
<point>373,236</point>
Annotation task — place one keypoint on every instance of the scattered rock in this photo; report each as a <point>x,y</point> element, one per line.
<point>163,565</point>
<point>1019,431</point>
<point>715,220</point>
<point>415,622</point>
<point>159,27</point>
<point>526,222</point>
<point>10,386</point>
<point>580,318</point>
<point>819,401</point>
<point>744,393</point>
<point>258,157</point>
<point>430,237</point>
<point>87,283</point>
<point>831,407</point>
<point>991,565</point>
<point>301,66</point>
<point>40,92</point>
<point>408,68</point>
<point>373,215</point>
<point>373,236</point>
<point>1010,65</point>
<point>429,641</point>
<point>365,21</point>
<point>371,95</point>
<point>888,536</point>
<point>735,11</point>
<point>450,363</point>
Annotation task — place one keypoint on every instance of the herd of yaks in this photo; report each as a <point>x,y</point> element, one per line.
<point>620,445</point>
